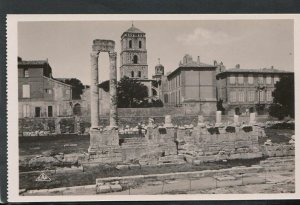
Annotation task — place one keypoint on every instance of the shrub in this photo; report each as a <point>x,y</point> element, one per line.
<point>278,111</point>
<point>230,129</point>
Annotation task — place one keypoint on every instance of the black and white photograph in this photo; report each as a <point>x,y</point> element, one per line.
<point>169,107</point>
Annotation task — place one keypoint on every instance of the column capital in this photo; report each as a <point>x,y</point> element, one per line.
<point>112,54</point>
<point>95,54</point>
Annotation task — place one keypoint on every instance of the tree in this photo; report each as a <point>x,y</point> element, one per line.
<point>284,97</point>
<point>77,87</point>
<point>130,93</point>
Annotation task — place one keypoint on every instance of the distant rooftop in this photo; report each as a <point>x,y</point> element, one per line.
<point>188,62</point>
<point>261,70</point>
<point>133,29</point>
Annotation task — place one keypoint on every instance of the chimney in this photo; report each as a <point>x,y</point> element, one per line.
<point>237,66</point>
<point>215,63</point>
<point>272,67</point>
<point>198,60</point>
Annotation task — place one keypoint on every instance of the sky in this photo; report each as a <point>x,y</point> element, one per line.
<point>250,43</point>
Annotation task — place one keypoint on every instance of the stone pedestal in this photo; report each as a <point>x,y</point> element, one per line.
<point>168,121</point>
<point>252,118</point>
<point>99,138</point>
<point>200,121</point>
<point>218,117</point>
<point>236,119</point>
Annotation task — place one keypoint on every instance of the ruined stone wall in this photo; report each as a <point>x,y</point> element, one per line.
<point>199,145</point>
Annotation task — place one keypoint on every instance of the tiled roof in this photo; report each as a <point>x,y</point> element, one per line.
<point>191,65</point>
<point>133,29</point>
<point>195,64</point>
<point>262,70</point>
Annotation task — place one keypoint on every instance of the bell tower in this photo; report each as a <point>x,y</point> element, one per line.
<point>133,54</point>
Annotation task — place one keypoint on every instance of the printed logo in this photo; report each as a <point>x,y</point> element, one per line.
<point>43,178</point>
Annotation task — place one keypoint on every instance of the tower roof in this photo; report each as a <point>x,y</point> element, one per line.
<point>133,29</point>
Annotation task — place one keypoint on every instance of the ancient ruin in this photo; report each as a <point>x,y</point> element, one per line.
<point>100,137</point>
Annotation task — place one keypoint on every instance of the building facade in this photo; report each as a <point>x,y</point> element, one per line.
<point>133,55</point>
<point>245,90</point>
<point>193,85</point>
<point>39,94</point>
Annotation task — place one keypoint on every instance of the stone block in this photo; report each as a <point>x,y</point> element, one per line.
<point>134,166</point>
<point>122,167</point>
<point>115,187</point>
<point>103,189</point>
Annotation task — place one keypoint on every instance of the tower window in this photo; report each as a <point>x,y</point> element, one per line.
<point>130,44</point>
<point>140,44</point>
<point>139,74</point>
<point>135,59</point>
<point>132,74</point>
<point>26,73</point>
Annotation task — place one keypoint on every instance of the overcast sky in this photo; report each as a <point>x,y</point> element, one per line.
<point>250,43</point>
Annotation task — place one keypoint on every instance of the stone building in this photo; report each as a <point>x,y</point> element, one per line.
<point>41,95</point>
<point>192,85</point>
<point>133,57</point>
<point>241,90</point>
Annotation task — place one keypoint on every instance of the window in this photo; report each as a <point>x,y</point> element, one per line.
<point>241,79</point>
<point>139,74</point>
<point>166,98</point>
<point>276,79</point>
<point>26,73</point>
<point>130,44</point>
<point>232,79</point>
<point>140,44</point>
<point>48,91</point>
<point>260,79</point>
<point>232,96</point>
<point>67,92</point>
<point>26,111</point>
<point>135,59</point>
<point>50,111</point>
<point>251,95</point>
<point>261,95</point>
<point>250,79</point>
<point>241,96</point>
<point>269,95</point>
<point>268,79</point>
<point>132,74</point>
<point>37,112</point>
<point>26,91</point>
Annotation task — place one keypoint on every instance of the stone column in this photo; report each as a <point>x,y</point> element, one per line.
<point>252,118</point>
<point>201,121</point>
<point>168,121</point>
<point>236,119</point>
<point>218,117</point>
<point>113,117</point>
<point>94,90</point>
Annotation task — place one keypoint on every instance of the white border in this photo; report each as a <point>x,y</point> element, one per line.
<point>12,107</point>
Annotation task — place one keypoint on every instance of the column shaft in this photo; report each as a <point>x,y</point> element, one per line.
<point>113,118</point>
<point>94,90</point>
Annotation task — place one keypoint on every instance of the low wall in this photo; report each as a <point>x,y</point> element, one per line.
<point>132,181</point>
<point>198,145</point>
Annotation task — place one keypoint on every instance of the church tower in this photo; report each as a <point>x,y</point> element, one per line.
<point>133,54</point>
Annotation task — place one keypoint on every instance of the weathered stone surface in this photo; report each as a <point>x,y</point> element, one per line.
<point>122,167</point>
<point>103,189</point>
<point>115,187</point>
